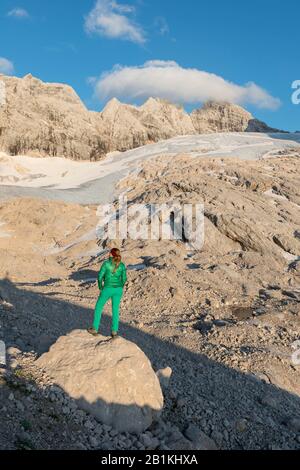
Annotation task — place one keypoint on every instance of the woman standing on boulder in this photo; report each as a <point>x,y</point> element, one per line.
<point>111,281</point>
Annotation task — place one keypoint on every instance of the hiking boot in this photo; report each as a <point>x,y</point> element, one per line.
<point>114,335</point>
<point>92,331</point>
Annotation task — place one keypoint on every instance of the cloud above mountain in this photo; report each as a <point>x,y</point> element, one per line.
<point>6,66</point>
<point>115,21</point>
<point>19,13</point>
<point>168,80</point>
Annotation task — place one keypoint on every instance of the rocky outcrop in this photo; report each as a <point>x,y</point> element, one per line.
<point>112,380</point>
<point>216,117</point>
<point>226,117</point>
<point>41,119</point>
<point>49,119</point>
<point>128,127</point>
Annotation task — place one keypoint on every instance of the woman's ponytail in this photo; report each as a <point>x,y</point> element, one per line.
<point>116,254</point>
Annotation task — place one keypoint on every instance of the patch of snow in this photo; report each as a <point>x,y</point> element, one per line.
<point>4,233</point>
<point>289,257</point>
<point>272,194</point>
<point>94,182</point>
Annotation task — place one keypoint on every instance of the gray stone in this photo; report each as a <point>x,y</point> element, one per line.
<point>294,424</point>
<point>200,440</point>
<point>112,380</point>
<point>164,376</point>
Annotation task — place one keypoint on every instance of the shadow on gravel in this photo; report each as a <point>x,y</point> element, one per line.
<point>84,275</point>
<point>217,395</point>
<point>47,282</point>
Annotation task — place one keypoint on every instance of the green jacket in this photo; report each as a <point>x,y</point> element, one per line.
<point>107,277</point>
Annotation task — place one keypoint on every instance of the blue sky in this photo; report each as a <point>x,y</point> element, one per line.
<point>188,51</point>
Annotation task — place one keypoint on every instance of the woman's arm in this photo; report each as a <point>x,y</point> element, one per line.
<point>124,275</point>
<point>101,275</point>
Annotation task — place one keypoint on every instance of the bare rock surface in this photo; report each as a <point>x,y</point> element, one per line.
<point>41,119</point>
<point>225,117</point>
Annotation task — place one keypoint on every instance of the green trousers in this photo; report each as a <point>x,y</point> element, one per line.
<point>115,294</point>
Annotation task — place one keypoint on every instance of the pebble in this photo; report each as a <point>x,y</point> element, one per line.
<point>241,425</point>
<point>93,441</point>
<point>269,401</point>
<point>181,402</point>
<point>23,436</point>
<point>294,424</point>
<point>106,428</point>
<point>146,440</point>
<point>175,435</point>
<point>107,446</point>
<point>226,423</point>
<point>13,351</point>
<point>164,377</point>
<point>20,406</point>
<point>192,432</point>
<point>80,446</point>
<point>89,425</point>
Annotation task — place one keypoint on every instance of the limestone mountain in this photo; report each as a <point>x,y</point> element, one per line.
<point>226,117</point>
<point>42,119</point>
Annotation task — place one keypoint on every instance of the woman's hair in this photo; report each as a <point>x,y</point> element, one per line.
<point>116,254</point>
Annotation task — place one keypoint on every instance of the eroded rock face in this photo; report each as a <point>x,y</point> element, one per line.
<point>41,119</point>
<point>226,117</point>
<point>215,117</point>
<point>128,126</point>
<point>112,380</point>
<point>49,119</point>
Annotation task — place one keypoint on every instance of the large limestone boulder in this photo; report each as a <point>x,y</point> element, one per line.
<point>111,379</point>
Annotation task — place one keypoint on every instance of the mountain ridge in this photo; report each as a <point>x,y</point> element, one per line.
<point>49,119</point>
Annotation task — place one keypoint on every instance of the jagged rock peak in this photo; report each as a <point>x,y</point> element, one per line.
<point>49,119</point>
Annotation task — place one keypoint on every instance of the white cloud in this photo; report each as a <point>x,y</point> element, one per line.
<point>6,66</point>
<point>167,79</point>
<point>112,20</point>
<point>19,13</point>
<point>161,25</point>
